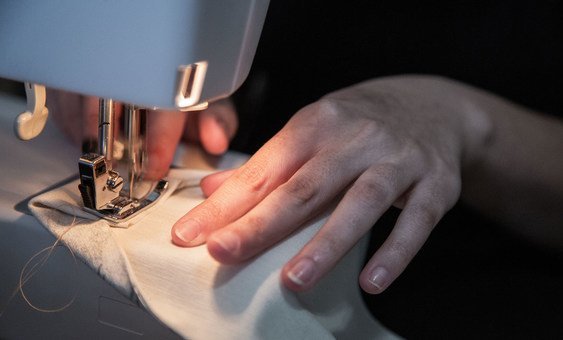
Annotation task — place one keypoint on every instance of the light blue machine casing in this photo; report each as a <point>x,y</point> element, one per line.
<point>131,50</point>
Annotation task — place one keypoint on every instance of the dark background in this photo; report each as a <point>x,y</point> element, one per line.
<point>310,48</point>
<point>472,279</point>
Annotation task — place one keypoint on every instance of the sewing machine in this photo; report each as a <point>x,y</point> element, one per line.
<point>147,54</point>
<point>176,54</point>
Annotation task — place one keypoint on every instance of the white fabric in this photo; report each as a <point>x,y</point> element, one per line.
<point>193,294</point>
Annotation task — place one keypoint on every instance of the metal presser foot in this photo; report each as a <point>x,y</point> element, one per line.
<point>104,192</point>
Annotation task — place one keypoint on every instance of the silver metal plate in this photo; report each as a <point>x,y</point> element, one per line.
<point>125,208</point>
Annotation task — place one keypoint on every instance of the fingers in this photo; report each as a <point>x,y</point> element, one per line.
<point>210,183</point>
<point>271,166</point>
<point>363,204</point>
<point>217,126</point>
<point>65,108</point>
<point>213,127</point>
<point>164,130</point>
<point>426,205</point>
<point>284,210</point>
<point>77,115</point>
<point>212,133</point>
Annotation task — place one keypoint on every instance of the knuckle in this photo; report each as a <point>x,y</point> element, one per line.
<point>370,191</point>
<point>327,105</point>
<point>380,184</point>
<point>371,128</point>
<point>302,190</point>
<point>326,110</point>
<point>426,215</point>
<point>387,171</point>
<point>252,176</point>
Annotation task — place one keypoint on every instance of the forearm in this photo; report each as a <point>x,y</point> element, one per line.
<point>517,177</point>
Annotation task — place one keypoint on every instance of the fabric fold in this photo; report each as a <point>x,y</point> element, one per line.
<point>194,295</point>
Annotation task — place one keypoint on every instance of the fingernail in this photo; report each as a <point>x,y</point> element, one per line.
<point>302,272</point>
<point>378,278</point>
<point>229,241</point>
<point>188,231</point>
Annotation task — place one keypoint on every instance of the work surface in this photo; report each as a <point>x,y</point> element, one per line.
<point>98,309</point>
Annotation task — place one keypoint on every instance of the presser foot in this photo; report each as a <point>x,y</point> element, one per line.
<point>122,208</point>
<point>103,192</point>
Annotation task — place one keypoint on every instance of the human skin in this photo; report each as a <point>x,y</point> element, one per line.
<point>213,128</point>
<point>406,141</point>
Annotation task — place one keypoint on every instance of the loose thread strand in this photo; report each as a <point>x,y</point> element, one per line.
<point>27,274</point>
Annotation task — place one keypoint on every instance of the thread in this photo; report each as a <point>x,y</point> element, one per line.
<point>27,274</point>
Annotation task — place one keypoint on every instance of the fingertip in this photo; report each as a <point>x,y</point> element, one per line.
<point>213,134</point>
<point>187,233</point>
<point>291,284</point>
<point>299,274</point>
<point>214,142</point>
<point>206,187</point>
<point>177,240</point>
<point>375,280</point>
<point>224,247</point>
<point>157,165</point>
<point>164,129</point>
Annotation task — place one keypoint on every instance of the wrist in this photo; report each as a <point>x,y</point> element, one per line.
<point>478,132</point>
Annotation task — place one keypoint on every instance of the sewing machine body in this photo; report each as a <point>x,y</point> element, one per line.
<point>134,51</point>
<point>147,54</point>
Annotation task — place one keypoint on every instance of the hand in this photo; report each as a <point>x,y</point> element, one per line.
<point>214,127</point>
<point>396,141</point>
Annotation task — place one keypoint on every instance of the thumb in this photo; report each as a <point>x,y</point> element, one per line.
<point>217,126</point>
<point>164,130</point>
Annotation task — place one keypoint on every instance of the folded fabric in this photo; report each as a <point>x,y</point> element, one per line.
<point>194,295</point>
